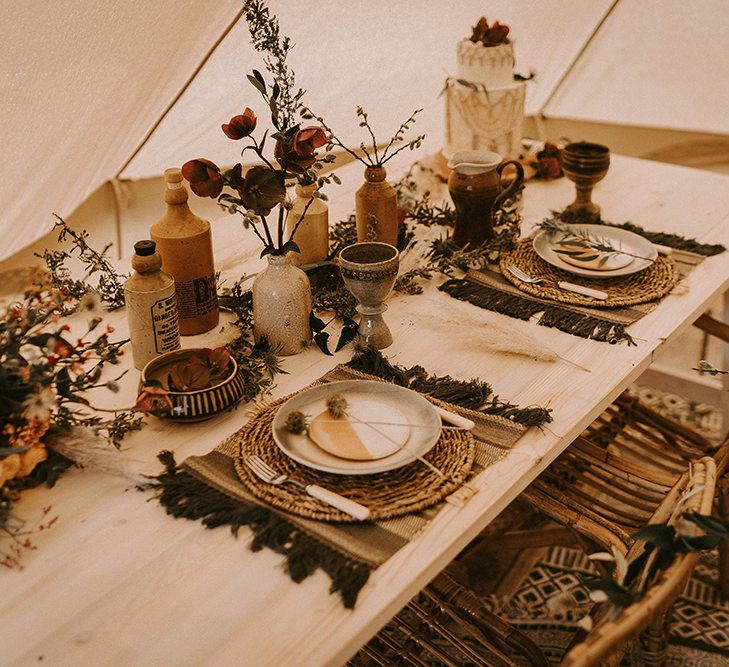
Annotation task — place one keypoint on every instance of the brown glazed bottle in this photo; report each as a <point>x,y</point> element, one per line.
<point>376,208</point>
<point>185,244</point>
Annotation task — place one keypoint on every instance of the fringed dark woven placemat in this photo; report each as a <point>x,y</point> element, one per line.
<point>651,284</point>
<point>492,291</point>
<point>208,489</point>
<point>387,494</point>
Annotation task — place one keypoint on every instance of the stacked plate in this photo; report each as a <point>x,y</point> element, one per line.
<point>385,427</point>
<point>631,252</point>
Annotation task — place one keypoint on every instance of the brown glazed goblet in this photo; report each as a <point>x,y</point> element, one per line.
<point>585,164</point>
<point>369,270</point>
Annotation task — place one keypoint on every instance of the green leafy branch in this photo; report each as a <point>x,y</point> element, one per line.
<point>110,285</point>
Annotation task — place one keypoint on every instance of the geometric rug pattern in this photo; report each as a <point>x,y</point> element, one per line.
<point>699,631</point>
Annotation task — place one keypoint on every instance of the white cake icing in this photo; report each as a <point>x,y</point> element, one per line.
<point>484,105</point>
<point>492,66</point>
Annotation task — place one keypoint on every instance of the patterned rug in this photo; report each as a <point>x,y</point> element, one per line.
<point>699,625</point>
<point>699,635</point>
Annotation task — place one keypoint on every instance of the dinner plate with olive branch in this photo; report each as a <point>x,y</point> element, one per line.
<point>594,251</point>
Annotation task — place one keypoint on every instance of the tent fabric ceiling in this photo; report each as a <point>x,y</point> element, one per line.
<point>83,82</point>
<point>390,56</point>
<point>657,63</point>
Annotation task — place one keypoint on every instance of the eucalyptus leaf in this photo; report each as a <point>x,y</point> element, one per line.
<point>259,76</point>
<point>708,523</point>
<point>316,323</point>
<point>290,246</point>
<point>321,339</point>
<point>659,535</point>
<point>261,87</point>
<point>704,542</point>
<point>348,334</point>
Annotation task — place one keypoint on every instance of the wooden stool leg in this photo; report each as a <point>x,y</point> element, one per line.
<point>723,501</point>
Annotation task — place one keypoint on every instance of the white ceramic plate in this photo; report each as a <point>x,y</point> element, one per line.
<point>415,408</point>
<point>619,238</point>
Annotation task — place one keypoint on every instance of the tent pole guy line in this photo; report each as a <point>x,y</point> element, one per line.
<point>181,92</point>
<point>576,59</point>
<point>116,179</point>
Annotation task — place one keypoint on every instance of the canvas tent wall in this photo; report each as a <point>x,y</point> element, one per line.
<point>85,84</point>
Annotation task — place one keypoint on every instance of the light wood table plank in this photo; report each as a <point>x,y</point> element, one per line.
<point>117,582</point>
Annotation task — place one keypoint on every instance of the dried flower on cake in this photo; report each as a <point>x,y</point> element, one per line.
<point>489,35</point>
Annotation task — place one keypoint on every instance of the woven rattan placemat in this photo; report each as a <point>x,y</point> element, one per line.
<point>648,285</point>
<point>388,494</point>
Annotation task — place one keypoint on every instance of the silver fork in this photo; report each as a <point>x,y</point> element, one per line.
<point>263,471</point>
<point>569,287</point>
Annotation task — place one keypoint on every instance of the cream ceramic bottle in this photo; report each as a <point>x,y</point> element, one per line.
<point>312,235</point>
<point>185,244</point>
<point>151,309</point>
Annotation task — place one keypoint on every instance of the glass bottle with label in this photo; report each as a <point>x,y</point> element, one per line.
<point>185,244</point>
<point>151,306</point>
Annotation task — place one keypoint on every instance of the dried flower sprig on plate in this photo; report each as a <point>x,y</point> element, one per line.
<point>337,406</point>
<point>582,245</point>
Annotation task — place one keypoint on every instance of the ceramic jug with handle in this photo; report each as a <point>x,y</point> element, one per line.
<point>476,189</point>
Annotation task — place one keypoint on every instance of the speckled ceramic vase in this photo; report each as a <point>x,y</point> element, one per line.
<point>282,305</point>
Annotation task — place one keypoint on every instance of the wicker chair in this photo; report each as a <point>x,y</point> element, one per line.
<point>631,467</point>
<point>447,624</point>
<point>645,620</point>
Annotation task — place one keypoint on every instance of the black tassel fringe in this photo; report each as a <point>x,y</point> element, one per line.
<point>670,240</point>
<point>184,496</point>
<point>512,305</point>
<point>471,394</point>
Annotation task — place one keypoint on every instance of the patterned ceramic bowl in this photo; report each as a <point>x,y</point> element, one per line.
<point>192,406</point>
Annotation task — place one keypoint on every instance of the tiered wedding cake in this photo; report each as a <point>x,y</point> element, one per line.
<point>484,104</point>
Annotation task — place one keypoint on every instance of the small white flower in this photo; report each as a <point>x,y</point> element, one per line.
<point>686,528</point>
<point>39,405</point>
<point>90,304</point>
<point>585,623</point>
<point>598,596</point>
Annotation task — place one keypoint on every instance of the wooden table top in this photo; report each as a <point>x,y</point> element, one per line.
<point>118,582</point>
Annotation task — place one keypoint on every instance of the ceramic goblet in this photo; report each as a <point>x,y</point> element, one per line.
<point>369,270</point>
<point>585,164</point>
